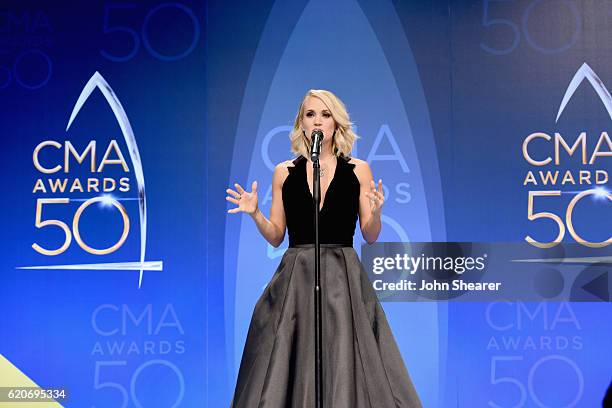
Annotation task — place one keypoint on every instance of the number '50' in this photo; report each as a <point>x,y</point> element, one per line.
<point>75,226</point>
<point>568,220</point>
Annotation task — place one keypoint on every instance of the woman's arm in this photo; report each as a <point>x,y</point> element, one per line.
<point>273,229</point>
<point>371,201</point>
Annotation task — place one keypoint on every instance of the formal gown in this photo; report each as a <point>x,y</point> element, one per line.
<point>362,365</point>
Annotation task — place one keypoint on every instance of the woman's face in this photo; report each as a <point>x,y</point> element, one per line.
<point>317,116</point>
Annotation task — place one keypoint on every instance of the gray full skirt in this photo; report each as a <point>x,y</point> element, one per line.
<point>362,365</point>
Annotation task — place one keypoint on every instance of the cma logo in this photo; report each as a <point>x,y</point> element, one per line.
<point>59,186</point>
<point>595,175</point>
<point>603,147</point>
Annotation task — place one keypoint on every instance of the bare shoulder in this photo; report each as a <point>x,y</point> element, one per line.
<point>281,171</point>
<point>358,162</point>
<point>283,167</point>
<point>362,169</point>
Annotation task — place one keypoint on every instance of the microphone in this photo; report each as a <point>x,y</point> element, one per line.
<point>315,148</point>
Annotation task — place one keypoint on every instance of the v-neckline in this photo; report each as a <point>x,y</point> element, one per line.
<point>323,200</point>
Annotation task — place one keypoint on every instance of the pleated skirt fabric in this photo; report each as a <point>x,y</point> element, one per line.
<point>362,365</point>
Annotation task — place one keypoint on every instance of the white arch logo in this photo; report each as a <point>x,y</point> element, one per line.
<point>585,72</point>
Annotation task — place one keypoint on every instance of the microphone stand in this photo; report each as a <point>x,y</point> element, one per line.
<point>316,194</point>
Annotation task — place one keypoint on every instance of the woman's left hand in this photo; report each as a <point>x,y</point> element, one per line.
<point>377,197</point>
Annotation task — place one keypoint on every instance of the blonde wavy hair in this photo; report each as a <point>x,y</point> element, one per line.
<point>344,137</point>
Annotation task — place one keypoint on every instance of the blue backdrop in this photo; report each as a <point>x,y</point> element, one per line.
<point>192,96</point>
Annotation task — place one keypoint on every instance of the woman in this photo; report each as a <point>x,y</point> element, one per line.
<point>362,366</point>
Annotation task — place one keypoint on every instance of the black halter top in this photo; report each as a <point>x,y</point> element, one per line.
<point>340,210</point>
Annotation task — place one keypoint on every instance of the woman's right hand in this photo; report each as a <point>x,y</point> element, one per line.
<point>246,202</point>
